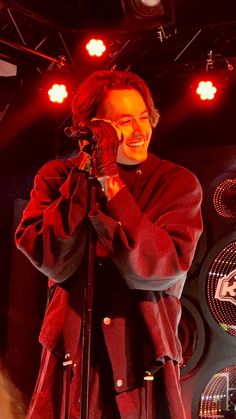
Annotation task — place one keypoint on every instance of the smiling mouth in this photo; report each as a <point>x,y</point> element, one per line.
<point>136,144</point>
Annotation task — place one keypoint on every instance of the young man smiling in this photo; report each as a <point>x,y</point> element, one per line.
<point>147,224</point>
<point>127,110</point>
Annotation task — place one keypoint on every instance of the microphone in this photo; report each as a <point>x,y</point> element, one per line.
<point>79,133</point>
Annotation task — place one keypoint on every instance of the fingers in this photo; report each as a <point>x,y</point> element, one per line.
<point>113,124</point>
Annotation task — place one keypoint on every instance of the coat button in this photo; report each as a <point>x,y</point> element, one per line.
<point>107,320</point>
<point>119,383</point>
<point>67,361</point>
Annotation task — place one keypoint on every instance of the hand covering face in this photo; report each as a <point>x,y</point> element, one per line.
<point>106,149</point>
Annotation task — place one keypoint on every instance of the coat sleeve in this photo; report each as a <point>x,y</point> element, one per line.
<point>53,229</point>
<point>153,250</point>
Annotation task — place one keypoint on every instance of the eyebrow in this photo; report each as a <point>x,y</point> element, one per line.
<point>125,115</point>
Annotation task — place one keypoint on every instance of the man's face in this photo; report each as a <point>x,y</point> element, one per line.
<point>126,110</point>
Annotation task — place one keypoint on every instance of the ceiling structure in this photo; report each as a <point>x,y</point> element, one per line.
<point>40,32</point>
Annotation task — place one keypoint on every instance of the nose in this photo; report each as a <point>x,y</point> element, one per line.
<point>137,127</point>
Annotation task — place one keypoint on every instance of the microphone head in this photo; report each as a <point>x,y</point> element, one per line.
<point>79,133</point>
<point>69,131</point>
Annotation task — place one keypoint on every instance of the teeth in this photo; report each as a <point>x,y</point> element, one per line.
<point>136,144</point>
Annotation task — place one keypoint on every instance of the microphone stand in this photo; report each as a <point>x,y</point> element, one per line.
<point>88,290</point>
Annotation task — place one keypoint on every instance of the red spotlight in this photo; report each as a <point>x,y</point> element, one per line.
<point>96,47</point>
<point>206,90</point>
<point>57,93</point>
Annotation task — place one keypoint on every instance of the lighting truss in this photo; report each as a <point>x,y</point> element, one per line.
<point>29,33</point>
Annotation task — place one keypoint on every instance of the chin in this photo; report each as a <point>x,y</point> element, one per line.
<point>138,158</point>
<point>131,158</point>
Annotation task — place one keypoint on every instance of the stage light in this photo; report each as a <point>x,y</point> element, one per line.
<point>96,47</point>
<point>151,2</point>
<point>148,13</point>
<point>58,93</point>
<point>148,7</point>
<point>9,83</point>
<point>206,90</point>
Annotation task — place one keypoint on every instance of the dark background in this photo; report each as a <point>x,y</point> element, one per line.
<point>171,53</point>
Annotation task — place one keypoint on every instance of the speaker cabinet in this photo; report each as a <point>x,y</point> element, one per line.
<point>208,324</point>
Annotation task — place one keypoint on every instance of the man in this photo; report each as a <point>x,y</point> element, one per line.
<point>147,223</point>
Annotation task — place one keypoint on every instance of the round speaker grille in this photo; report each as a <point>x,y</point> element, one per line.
<point>221,287</point>
<point>224,199</point>
<point>218,399</point>
<point>191,335</point>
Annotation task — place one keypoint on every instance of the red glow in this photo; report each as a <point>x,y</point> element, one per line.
<point>96,47</point>
<point>57,93</point>
<point>206,90</point>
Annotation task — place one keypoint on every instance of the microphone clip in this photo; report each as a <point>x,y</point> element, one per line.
<point>84,136</point>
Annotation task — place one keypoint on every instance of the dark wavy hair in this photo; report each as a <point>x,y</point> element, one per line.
<point>93,90</point>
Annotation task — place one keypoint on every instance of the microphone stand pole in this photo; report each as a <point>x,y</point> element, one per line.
<point>88,293</point>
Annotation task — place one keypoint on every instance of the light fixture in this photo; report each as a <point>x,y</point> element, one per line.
<point>9,83</point>
<point>145,8</point>
<point>206,90</point>
<point>151,2</point>
<point>148,14</point>
<point>96,47</point>
<point>57,93</point>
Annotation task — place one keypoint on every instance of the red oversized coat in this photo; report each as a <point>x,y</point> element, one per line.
<point>147,235</point>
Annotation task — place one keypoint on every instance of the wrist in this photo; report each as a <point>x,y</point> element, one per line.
<point>110,185</point>
<point>82,161</point>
